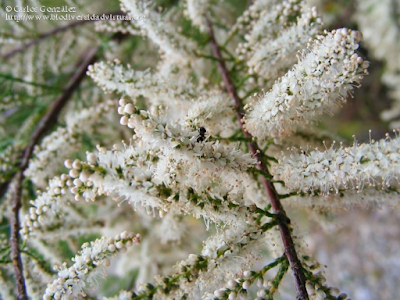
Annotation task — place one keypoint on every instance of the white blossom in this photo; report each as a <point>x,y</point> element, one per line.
<point>270,59</point>
<point>114,77</point>
<point>374,165</point>
<point>64,141</point>
<point>196,11</point>
<point>319,82</point>
<point>170,42</point>
<point>115,26</point>
<point>123,295</point>
<point>214,112</point>
<point>272,18</point>
<point>71,281</point>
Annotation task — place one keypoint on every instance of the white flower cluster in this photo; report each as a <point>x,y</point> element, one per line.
<point>245,22</point>
<point>52,209</point>
<point>241,280</point>
<point>115,26</point>
<point>71,281</point>
<point>320,81</point>
<point>196,10</point>
<point>44,203</point>
<point>114,77</point>
<point>64,141</point>
<point>260,11</point>
<point>224,255</point>
<point>52,147</point>
<point>155,173</point>
<point>123,295</point>
<point>182,141</point>
<point>126,173</point>
<point>269,23</point>
<point>270,59</point>
<point>169,156</point>
<point>172,44</point>
<point>7,161</point>
<point>80,175</point>
<point>213,111</point>
<point>333,170</point>
<point>238,288</point>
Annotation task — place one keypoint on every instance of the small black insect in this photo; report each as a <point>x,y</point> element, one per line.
<point>202,132</point>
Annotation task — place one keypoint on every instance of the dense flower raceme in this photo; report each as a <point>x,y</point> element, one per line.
<point>197,10</point>
<point>374,165</point>
<point>251,15</point>
<point>211,108</point>
<point>172,44</point>
<point>70,282</point>
<point>53,147</point>
<point>180,146</point>
<point>43,203</point>
<point>262,25</point>
<point>270,59</point>
<point>176,159</point>
<point>166,167</point>
<point>51,210</point>
<point>115,26</point>
<point>238,287</point>
<point>318,83</point>
<point>214,112</point>
<point>114,77</point>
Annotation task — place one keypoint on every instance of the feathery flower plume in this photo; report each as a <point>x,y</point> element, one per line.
<point>70,282</point>
<point>375,165</point>
<point>319,82</point>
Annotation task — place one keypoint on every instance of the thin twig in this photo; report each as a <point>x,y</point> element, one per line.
<point>50,33</point>
<point>46,122</point>
<point>290,251</point>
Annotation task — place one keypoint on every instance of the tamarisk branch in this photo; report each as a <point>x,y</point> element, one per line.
<point>290,251</point>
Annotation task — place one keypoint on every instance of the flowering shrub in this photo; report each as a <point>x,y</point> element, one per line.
<point>194,127</point>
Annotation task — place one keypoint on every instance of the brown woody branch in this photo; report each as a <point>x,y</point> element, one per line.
<point>290,251</point>
<point>46,122</point>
